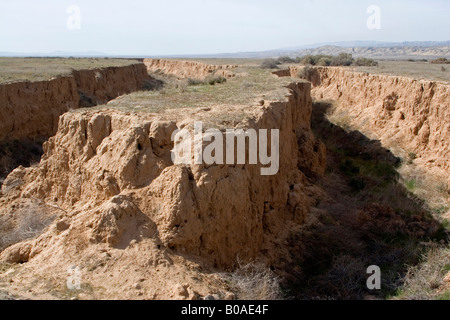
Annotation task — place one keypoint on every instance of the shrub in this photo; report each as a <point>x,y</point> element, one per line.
<point>254,282</point>
<point>213,80</point>
<point>195,82</point>
<point>423,281</point>
<point>219,80</point>
<point>270,64</point>
<point>285,59</point>
<point>30,222</point>
<point>324,62</point>
<point>209,80</point>
<point>152,84</point>
<point>315,60</point>
<point>365,62</point>
<point>306,73</point>
<point>343,59</point>
<point>440,61</point>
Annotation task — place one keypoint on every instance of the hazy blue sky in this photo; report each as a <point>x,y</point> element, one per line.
<point>211,26</point>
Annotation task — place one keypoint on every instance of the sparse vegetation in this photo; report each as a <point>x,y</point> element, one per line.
<point>39,69</point>
<point>372,219</point>
<point>198,93</point>
<point>286,59</point>
<point>343,59</point>
<point>365,62</point>
<point>423,281</point>
<point>417,69</point>
<point>306,73</point>
<point>440,61</point>
<point>254,282</point>
<point>26,223</point>
<point>370,215</point>
<point>270,64</point>
<point>211,80</point>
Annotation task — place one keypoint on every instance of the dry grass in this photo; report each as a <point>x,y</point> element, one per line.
<point>254,281</point>
<point>366,218</point>
<point>176,94</point>
<point>24,224</point>
<point>416,69</point>
<point>432,189</point>
<point>423,281</point>
<point>39,69</point>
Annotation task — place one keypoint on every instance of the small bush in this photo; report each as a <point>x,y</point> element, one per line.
<point>306,73</point>
<point>324,62</point>
<point>195,82</point>
<point>285,59</point>
<point>315,60</point>
<point>30,223</point>
<point>182,85</point>
<point>423,281</point>
<point>440,61</point>
<point>152,85</point>
<point>343,59</point>
<point>254,282</point>
<point>219,80</point>
<point>270,64</point>
<point>365,62</point>
<point>211,80</point>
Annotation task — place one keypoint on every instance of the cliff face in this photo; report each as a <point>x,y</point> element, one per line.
<point>407,115</point>
<point>403,113</point>
<point>187,69</point>
<point>112,174</point>
<point>102,85</point>
<point>31,109</point>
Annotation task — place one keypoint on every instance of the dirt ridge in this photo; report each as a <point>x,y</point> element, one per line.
<point>31,109</point>
<point>400,111</point>
<point>188,69</point>
<point>110,176</point>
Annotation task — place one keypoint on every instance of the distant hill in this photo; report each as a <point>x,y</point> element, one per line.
<point>391,52</point>
<point>370,49</point>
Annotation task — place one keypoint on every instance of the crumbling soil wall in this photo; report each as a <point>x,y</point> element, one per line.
<point>188,69</point>
<point>112,174</point>
<point>102,85</point>
<point>412,115</point>
<point>31,109</point>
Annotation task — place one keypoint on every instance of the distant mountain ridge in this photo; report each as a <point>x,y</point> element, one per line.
<point>391,52</point>
<point>370,49</point>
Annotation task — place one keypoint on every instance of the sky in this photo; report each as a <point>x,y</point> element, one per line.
<point>171,27</point>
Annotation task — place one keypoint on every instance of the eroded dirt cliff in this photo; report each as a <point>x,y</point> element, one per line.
<point>405,114</point>
<point>31,109</point>
<point>109,177</point>
<point>412,117</point>
<point>188,69</point>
